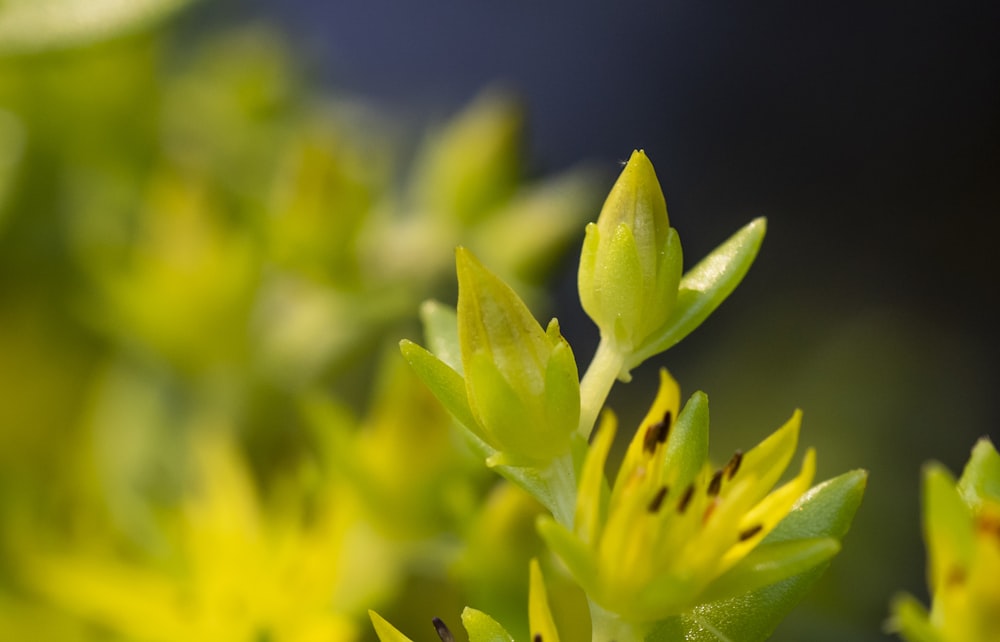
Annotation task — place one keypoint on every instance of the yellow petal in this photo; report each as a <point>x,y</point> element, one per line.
<point>385,631</point>
<point>763,517</point>
<point>768,459</point>
<point>644,456</point>
<point>588,517</point>
<point>539,616</point>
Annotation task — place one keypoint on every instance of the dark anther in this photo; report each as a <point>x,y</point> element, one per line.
<point>988,526</point>
<point>649,439</point>
<point>685,499</point>
<point>715,485</point>
<point>443,631</point>
<point>750,532</point>
<point>657,500</point>
<point>656,433</point>
<point>734,464</point>
<point>537,638</point>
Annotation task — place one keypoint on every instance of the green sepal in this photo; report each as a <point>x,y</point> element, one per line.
<point>669,271</point>
<point>687,446</point>
<point>910,620</point>
<point>703,288</point>
<point>517,427</point>
<point>492,319</point>
<point>981,478</point>
<point>771,563</point>
<point>826,510</point>
<point>440,323</point>
<point>482,628</point>
<point>562,385</point>
<point>620,284</point>
<point>574,554</point>
<point>588,267</point>
<point>529,476</point>
<point>446,384</point>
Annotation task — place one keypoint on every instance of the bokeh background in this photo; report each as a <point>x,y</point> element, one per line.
<point>868,135</point>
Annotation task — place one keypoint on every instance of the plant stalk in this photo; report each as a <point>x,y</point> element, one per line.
<point>597,382</point>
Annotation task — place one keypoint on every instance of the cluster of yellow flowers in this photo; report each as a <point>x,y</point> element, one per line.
<point>672,534</point>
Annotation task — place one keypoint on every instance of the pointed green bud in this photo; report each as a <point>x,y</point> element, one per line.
<point>631,261</point>
<point>522,382</point>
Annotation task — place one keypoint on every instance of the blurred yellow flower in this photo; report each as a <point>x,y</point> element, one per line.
<point>234,572</point>
<point>962,531</point>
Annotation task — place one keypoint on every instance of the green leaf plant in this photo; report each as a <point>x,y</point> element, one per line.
<point>672,547</point>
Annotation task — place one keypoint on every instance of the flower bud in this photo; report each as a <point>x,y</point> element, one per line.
<point>631,261</point>
<point>522,383</point>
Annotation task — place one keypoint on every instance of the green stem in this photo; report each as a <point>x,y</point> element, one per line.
<point>596,384</point>
<point>609,627</point>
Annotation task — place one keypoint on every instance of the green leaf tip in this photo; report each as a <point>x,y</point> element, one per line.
<point>704,287</point>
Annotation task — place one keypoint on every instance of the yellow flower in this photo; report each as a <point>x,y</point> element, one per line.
<point>673,532</point>
<point>236,571</point>
<point>962,530</point>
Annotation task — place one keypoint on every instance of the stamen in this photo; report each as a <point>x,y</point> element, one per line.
<point>715,485</point>
<point>988,526</point>
<point>685,499</point>
<point>734,464</point>
<point>654,505</point>
<point>656,433</point>
<point>750,532</point>
<point>442,630</point>
<point>537,638</point>
<point>709,510</point>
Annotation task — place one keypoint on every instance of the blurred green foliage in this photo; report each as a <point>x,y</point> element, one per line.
<point>201,260</point>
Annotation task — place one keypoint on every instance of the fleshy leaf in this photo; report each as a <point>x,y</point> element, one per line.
<point>826,510</point>
<point>687,450</point>
<point>482,628</point>
<point>446,384</point>
<point>771,563</point>
<point>704,287</point>
<point>441,333</point>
